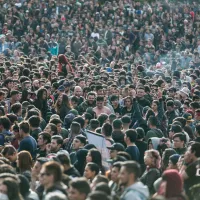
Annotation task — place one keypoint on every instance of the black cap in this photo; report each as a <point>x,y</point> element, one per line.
<point>117,147</point>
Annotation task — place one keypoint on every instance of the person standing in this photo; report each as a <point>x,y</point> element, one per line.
<point>129,178</point>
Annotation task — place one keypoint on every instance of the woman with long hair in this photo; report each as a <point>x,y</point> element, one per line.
<point>64,65</point>
<point>63,106</point>
<point>152,161</point>
<point>24,163</point>
<point>95,156</point>
<point>9,189</point>
<point>41,102</point>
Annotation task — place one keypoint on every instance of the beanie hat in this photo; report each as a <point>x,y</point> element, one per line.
<point>174,158</point>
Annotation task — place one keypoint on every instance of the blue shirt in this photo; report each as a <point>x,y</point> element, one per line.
<point>133,151</point>
<point>28,144</point>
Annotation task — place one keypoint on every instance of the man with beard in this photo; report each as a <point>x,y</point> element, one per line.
<point>89,102</point>
<point>129,175</point>
<point>56,144</point>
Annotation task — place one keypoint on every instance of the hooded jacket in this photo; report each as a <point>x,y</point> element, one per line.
<point>137,191</point>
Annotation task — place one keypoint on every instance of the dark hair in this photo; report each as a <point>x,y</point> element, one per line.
<point>64,159</point>
<point>117,124</point>
<point>55,121</point>
<point>97,158</point>
<point>24,126</point>
<point>80,120</point>
<point>117,165</point>
<point>13,188</point>
<point>42,160</point>
<point>166,154</point>
<point>55,169</point>
<point>132,167</point>
<point>107,129</point>
<point>6,168</point>
<point>153,121</point>
<point>58,139</point>
<point>46,136</point>
<point>8,150</point>
<point>81,185</point>
<point>101,179</point>
<point>100,98</point>
<point>195,147</point>
<point>34,121</point>
<point>93,167</point>
<point>198,128</point>
<point>131,134</point>
<point>75,128</point>
<point>182,120</point>
<point>102,118</point>
<point>103,187</point>
<point>140,133</point>
<point>40,93</point>
<point>176,128</point>
<point>98,195</point>
<point>15,108</point>
<point>5,122</point>
<point>94,123</point>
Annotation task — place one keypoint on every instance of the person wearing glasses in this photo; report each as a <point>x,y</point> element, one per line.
<point>51,178</point>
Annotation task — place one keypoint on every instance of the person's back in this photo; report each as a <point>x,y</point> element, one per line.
<point>29,144</point>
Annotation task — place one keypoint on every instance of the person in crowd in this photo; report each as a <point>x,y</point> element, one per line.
<point>129,178</point>
<point>152,161</point>
<point>173,161</point>
<point>79,189</point>
<point>43,140</point>
<point>24,163</point>
<point>56,144</point>
<point>179,140</point>
<point>95,156</point>
<point>78,143</point>
<point>10,190</point>
<point>28,143</point>
<point>91,171</point>
<point>51,178</point>
<point>130,139</point>
<point>69,169</point>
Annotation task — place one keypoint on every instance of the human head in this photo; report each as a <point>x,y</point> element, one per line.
<point>56,143</point>
<point>152,158</point>
<point>106,130</point>
<point>24,128</point>
<point>75,128</point>
<point>78,91</point>
<point>140,92</point>
<point>192,153</point>
<point>38,165</point>
<point>114,149</point>
<point>24,161</point>
<point>179,140</point>
<point>5,123</point>
<point>173,160</point>
<point>94,124</point>
<point>152,122</point>
<point>175,128</point>
<point>117,124</point>
<point>100,102</point>
<point>170,105</point>
<point>79,142</point>
<point>165,157</point>
<point>10,187</point>
<point>44,139</point>
<point>94,156</point>
<point>10,153</point>
<point>130,136</point>
<point>79,189</point>
<point>115,171</point>
<point>91,170</point>
<point>34,121</point>
<point>58,124</point>
<point>51,129</point>
<point>129,173</point>
<point>50,174</point>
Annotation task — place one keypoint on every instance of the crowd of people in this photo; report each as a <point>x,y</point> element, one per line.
<point>125,70</point>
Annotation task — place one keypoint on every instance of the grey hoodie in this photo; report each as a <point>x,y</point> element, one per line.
<point>137,191</point>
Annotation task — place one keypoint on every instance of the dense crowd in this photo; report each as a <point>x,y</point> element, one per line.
<point>126,72</point>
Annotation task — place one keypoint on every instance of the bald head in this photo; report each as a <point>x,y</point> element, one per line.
<point>78,91</point>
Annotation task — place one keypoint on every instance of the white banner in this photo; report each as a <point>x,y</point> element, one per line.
<point>100,142</point>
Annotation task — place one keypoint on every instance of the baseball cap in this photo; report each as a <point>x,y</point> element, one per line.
<point>117,147</point>
<point>188,116</point>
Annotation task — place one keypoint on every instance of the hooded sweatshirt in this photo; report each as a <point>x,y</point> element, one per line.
<point>138,191</point>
